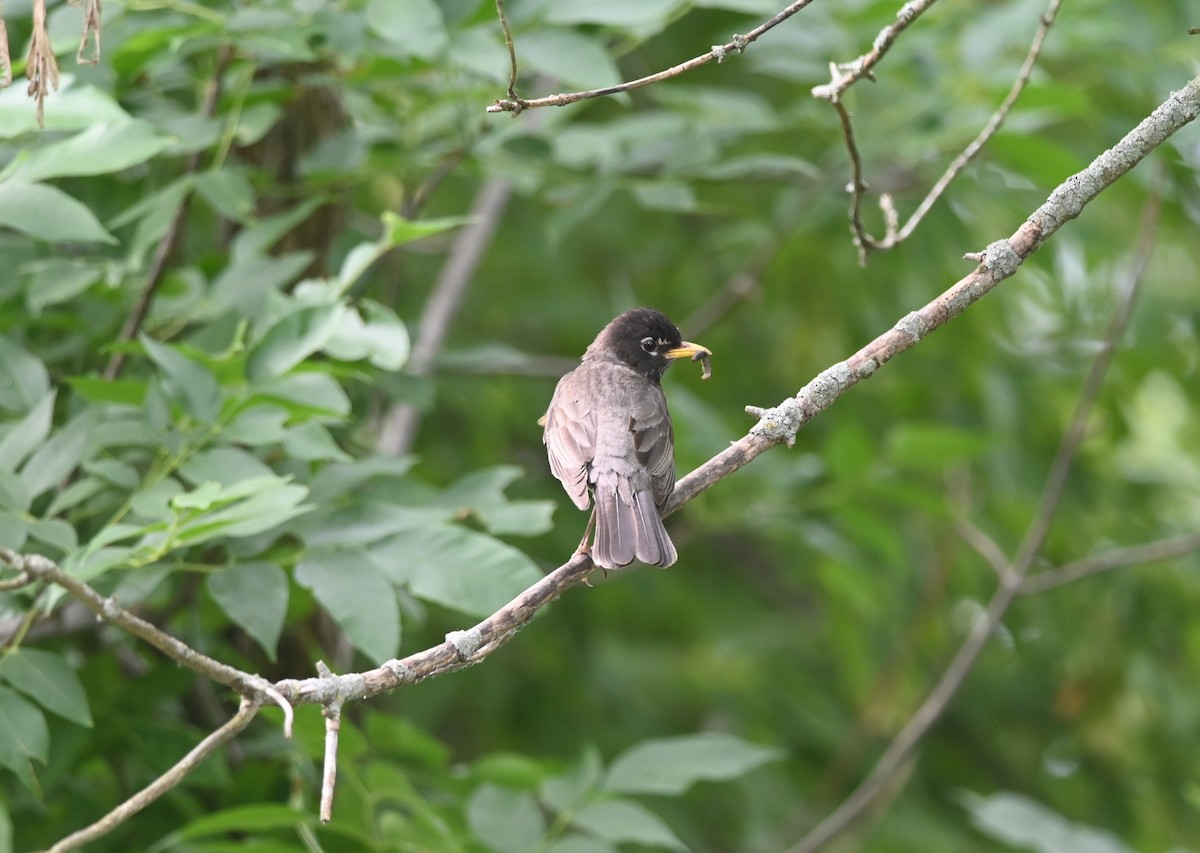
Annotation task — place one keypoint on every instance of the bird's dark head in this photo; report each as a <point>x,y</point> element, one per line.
<point>644,339</point>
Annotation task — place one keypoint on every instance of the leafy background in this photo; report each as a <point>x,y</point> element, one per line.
<point>227,485</point>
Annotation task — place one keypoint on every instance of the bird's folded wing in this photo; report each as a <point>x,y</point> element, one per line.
<point>570,439</point>
<point>654,443</point>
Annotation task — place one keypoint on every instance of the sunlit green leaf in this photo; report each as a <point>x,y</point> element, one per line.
<point>49,214</point>
<point>291,340</point>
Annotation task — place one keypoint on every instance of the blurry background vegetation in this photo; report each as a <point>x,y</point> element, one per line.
<point>227,486</point>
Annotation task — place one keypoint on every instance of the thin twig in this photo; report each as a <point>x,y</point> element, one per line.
<point>718,52</point>
<point>183,654</point>
<point>894,235</point>
<point>22,579</point>
<point>171,237</point>
<point>989,130</point>
<point>846,74</point>
<point>512,51</point>
<point>333,725</point>
<point>163,783</point>
<point>903,745</point>
<point>1137,555</point>
<point>985,546</point>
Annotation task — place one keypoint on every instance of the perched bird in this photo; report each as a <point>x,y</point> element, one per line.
<point>608,432</point>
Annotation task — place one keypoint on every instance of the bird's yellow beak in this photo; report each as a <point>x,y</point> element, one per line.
<point>689,350</point>
<point>695,352</point>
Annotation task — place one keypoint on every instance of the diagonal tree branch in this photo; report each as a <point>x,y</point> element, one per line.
<point>163,783</point>
<point>777,425</point>
<point>1136,555</point>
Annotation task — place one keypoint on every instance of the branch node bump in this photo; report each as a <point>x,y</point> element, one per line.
<point>1001,259</point>
<point>466,643</point>
<point>719,53</point>
<point>825,387</point>
<point>913,325</point>
<point>402,673</point>
<point>740,43</point>
<point>778,424</point>
<point>868,367</point>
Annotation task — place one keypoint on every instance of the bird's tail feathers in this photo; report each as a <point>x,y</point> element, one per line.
<point>629,527</point>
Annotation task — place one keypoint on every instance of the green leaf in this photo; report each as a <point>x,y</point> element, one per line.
<point>23,736</point>
<point>54,532</point>
<point>672,765</point>
<point>123,392</point>
<point>50,681</point>
<point>572,57</point>
<point>382,339</point>
<point>626,822</point>
<point>23,378</point>
<point>508,821</point>
<point>13,530</point>
<point>415,26</point>
<point>185,381</point>
<point>567,791</point>
<point>335,480</point>
<point>241,819</point>
<point>273,502</point>
<point>257,426</point>
<point>245,285</point>
<point>458,568</point>
<point>398,230</point>
<point>306,394</point>
<point>224,465</point>
<point>47,213</point>
<point>20,439</point>
<point>580,844</point>
<point>13,492</point>
<point>102,148</point>
<point>57,280</point>
<point>482,493</point>
<point>59,456</point>
<point>291,340</point>
<point>255,596</point>
<point>228,191</point>
<point>75,107</point>
<point>312,442</point>
<point>1019,821</point>
<point>638,16</point>
<point>357,595</point>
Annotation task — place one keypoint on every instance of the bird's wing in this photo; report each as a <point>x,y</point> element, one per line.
<point>570,439</point>
<point>654,444</point>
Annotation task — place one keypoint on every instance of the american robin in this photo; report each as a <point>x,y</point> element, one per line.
<point>608,432</point>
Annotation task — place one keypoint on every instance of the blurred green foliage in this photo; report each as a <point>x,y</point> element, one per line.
<point>226,485</point>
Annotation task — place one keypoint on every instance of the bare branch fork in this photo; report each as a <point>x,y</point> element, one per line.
<point>777,425</point>
<point>846,75</point>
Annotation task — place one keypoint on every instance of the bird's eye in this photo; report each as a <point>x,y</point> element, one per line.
<point>649,344</point>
